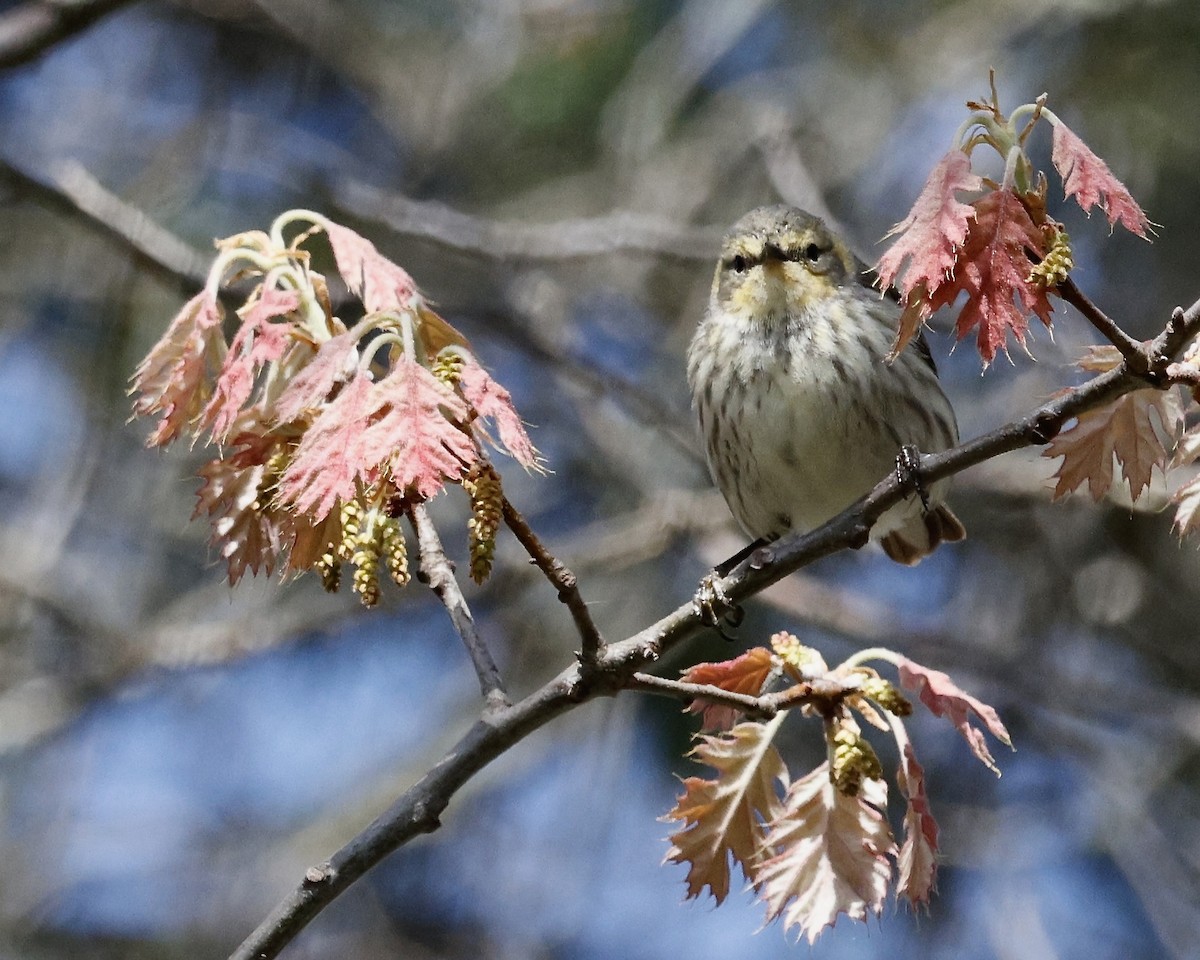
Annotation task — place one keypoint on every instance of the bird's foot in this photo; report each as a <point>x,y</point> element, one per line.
<point>714,608</point>
<point>908,473</point>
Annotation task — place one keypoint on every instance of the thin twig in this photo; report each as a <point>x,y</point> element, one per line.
<point>563,580</point>
<point>761,707</point>
<point>418,809</point>
<point>1132,350</point>
<point>758,708</point>
<point>436,569</point>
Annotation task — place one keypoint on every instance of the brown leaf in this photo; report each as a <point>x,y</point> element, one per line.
<point>726,817</point>
<point>1139,429</point>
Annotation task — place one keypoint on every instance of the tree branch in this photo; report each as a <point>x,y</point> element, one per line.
<point>1133,351</point>
<point>418,809</point>
<point>563,580</point>
<point>28,31</point>
<point>618,232</point>
<point>439,574</point>
<point>762,707</point>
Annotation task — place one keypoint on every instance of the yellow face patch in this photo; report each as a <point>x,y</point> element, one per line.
<point>777,268</point>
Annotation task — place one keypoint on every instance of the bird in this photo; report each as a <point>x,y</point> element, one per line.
<point>801,409</point>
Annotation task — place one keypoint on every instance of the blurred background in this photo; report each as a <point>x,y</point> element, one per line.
<point>555,173</point>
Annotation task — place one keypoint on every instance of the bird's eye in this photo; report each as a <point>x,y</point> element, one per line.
<point>739,263</point>
<point>812,253</point>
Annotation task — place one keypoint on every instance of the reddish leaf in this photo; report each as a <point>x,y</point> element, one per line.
<point>257,343</point>
<point>173,378</point>
<point>935,228</point>
<point>917,860</point>
<point>944,699</point>
<point>993,269</point>
<point>374,279</point>
<point>242,529</point>
<point>334,452</point>
<point>413,433</point>
<point>831,855</point>
<point>726,817</point>
<point>1087,178</point>
<point>1138,428</point>
<point>335,362</point>
<point>745,674</point>
<point>491,400</point>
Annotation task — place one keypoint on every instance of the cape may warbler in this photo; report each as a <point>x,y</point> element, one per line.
<point>800,411</point>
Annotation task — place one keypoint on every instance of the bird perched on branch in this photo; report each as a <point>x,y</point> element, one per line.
<point>801,409</point>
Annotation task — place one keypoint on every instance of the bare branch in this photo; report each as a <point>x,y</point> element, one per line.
<point>1131,350</point>
<point>28,31</point>
<point>417,811</point>
<point>763,707</point>
<point>437,571</point>
<point>619,232</point>
<point>71,186</point>
<point>563,580</point>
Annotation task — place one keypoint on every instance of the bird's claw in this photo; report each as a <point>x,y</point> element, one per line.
<point>714,608</point>
<point>908,473</point>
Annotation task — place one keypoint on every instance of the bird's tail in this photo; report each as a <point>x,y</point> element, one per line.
<point>918,538</point>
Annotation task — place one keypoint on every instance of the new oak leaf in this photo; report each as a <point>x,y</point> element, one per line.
<point>1087,178</point>
<point>172,380</point>
<point>831,855</point>
<point>945,699</point>
<point>372,277</point>
<point>492,401</point>
<point>1138,429</point>
<point>726,817</point>
<point>930,236</point>
<point>258,342</point>
<point>744,674</point>
<point>993,269</point>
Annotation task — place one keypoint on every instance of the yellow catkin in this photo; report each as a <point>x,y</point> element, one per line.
<point>395,551</point>
<point>482,484</point>
<point>330,569</point>
<point>448,368</point>
<point>352,515</point>
<point>803,660</point>
<point>365,558</point>
<point>1057,263</point>
<point>854,760</point>
<point>886,695</point>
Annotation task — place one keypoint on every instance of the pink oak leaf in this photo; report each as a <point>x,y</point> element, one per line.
<point>930,236</point>
<point>917,860</point>
<point>372,277</point>
<point>1087,178</point>
<point>243,531</point>
<point>491,400</point>
<point>257,343</point>
<point>335,362</point>
<point>414,432</point>
<point>944,699</point>
<point>994,270</point>
<point>335,452</point>
<point>172,380</point>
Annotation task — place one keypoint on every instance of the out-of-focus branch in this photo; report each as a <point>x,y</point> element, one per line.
<point>418,810</point>
<point>69,186</point>
<point>28,31</point>
<point>436,570</point>
<point>619,232</point>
